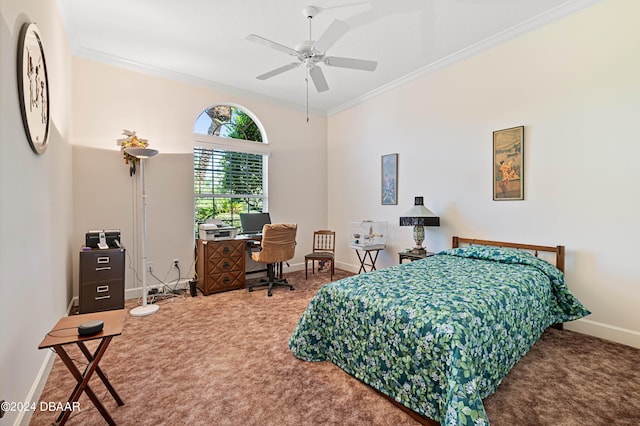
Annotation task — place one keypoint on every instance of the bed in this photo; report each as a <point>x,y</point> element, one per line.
<point>439,334</point>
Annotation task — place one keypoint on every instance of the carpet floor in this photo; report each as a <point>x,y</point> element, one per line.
<point>223,360</point>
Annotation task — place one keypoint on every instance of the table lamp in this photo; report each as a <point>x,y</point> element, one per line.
<point>419,216</point>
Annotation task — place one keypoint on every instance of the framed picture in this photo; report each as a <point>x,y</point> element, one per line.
<point>33,88</point>
<point>390,179</point>
<point>508,164</point>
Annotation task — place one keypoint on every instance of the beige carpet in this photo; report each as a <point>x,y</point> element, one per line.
<point>223,360</point>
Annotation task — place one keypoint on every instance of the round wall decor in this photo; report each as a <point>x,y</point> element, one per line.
<point>33,88</point>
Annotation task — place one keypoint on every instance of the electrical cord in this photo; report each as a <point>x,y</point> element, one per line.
<point>82,362</point>
<point>175,286</point>
<point>176,281</point>
<point>164,284</point>
<point>153,298</point>
<point>135,272</point>
<point>60,329</point>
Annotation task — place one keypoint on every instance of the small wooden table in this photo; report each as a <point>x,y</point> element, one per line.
<point>413,256</point>
<point>65,333</point>
<point>367,252</point>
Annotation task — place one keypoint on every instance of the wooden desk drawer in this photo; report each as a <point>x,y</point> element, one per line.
<point>226,264</point>
<point>215,283</point>
<point>218,250</point>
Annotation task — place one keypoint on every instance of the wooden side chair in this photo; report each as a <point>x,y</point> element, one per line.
<point>323,250</point>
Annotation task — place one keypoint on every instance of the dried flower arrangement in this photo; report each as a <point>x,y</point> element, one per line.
<point>131,141</point>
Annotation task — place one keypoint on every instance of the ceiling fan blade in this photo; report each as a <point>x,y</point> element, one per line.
<point>277,71</point>
<point>332,34</point>
<point>356,64</point>
<point>318,79</point>
<point>272,44</point>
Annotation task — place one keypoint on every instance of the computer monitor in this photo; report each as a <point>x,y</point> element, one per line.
<point>252,223</point>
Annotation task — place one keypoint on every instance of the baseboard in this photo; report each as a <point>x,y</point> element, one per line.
<point>24,416</point>
<point>605,331</point>
<point>348,267</point>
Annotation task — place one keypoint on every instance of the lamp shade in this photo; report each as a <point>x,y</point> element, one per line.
<point>419,215</point>
<point>141,152</point>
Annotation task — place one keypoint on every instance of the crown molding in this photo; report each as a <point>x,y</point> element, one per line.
<point>120,62</point>
<point>529,25</point>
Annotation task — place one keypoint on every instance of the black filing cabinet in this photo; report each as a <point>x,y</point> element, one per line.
<point>101,280</point>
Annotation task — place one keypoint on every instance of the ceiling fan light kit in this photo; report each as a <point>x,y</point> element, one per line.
<point>313,52</point>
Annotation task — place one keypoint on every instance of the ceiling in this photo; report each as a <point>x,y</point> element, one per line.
<point>204,41</point>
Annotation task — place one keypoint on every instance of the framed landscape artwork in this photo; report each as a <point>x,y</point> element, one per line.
<point>508,164</point>
<point>390,179</point>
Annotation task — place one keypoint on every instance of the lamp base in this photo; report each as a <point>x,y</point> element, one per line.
<point>418,250</point>
<point>143,311</point>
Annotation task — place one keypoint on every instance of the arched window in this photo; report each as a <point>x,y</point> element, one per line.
<point>229,165</point>
<point>227,121</point>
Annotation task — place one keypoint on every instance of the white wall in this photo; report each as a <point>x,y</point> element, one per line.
<point>35,206</point>
<point>574,86</point>
<point>107,99</point>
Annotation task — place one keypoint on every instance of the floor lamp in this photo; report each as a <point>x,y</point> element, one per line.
<point>143,154</point>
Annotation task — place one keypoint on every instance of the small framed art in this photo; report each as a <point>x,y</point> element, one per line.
<point>389,179</point>
<point>33,88</point>
<point>508,164</point>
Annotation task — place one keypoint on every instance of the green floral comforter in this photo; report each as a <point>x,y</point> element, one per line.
<point>438,334</point>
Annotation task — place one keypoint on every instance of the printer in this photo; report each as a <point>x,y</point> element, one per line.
<point>215,230</point>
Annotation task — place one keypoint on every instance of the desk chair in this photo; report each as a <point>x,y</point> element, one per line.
<point>323,250</point>
<point>278,245</point>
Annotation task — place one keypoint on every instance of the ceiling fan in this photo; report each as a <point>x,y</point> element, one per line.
<point>313,52</point>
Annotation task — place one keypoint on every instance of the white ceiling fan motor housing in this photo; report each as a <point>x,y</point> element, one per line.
<point>310,11</point>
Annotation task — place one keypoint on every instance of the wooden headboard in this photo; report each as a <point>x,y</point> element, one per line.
<point>558,250</point>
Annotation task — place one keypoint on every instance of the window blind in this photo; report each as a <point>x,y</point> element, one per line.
<point>227,183</point>
<point>227,173</point>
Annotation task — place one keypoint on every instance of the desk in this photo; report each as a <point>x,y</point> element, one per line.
<point>65,333</point>
<point>367,252</point>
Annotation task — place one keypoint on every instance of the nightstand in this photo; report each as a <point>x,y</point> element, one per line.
<point>413,256</point>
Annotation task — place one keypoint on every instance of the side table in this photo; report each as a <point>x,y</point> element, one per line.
<point>65,332</point>
<point>412,256</point>
<point>367,252</point>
